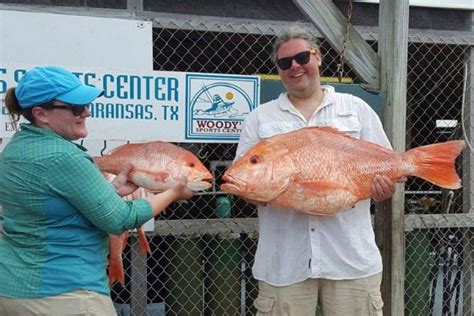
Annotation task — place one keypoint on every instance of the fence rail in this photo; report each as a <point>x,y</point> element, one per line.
<point>201,256</point>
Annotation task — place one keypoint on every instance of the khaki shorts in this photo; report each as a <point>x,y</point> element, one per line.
<point>359,297</point>
<point>83,303</point>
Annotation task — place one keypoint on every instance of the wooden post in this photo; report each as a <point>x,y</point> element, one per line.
<point>138,280</point>
<point>468,183</point>
<point>393,50</point>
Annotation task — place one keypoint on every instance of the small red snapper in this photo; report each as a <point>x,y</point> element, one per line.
<point>156,165</point>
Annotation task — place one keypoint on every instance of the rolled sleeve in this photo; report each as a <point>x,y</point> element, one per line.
<point>77,179</point>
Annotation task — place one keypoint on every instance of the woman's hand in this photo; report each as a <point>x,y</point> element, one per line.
<point>121,184</point>
<point>181,190</point>
<point>178,191</point>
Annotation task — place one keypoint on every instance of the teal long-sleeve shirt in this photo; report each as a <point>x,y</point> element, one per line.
<point>57,212</point>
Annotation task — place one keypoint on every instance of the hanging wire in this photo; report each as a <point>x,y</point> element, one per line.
<point>203,152</point>
<point>340,65</point>
<point>103,148</point>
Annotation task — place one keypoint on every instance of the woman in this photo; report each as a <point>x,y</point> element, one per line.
<point>57,207</point>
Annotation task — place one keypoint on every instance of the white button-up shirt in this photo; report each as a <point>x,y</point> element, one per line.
<point>293,246</point>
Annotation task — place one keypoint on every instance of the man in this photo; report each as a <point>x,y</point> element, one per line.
<point>303,259</point>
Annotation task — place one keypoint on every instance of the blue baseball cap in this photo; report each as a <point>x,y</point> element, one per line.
<point>41,85</point>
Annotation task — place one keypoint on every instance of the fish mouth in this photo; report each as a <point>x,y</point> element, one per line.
<point>232,185</point>
<point>200,184</point>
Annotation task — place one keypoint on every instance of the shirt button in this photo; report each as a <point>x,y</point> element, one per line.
<point>312,229</point>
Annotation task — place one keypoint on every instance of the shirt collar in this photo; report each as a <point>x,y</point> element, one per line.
<point>45,132</point>
<point>286,105</point>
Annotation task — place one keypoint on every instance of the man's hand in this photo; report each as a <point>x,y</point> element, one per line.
<point>121,183</point>
<point>383,187</point>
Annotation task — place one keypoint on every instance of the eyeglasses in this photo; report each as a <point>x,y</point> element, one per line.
<point>77,110</point>
<point>301,58</point>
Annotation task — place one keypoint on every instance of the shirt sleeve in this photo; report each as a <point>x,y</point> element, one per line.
<point>249,135</point>
<point>77,179</point>
<point>372,129</point>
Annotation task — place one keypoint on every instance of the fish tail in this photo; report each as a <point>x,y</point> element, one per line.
<point>98,161</point>
<point>436,163</point>
<point>104,164</point>
<point>144,246</point>
<point>116,246</point>
<point>116,272</point>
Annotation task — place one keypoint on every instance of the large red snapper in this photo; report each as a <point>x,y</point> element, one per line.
<point>156,165</point>
<point>320,171</point>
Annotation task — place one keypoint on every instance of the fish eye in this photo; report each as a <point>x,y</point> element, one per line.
<point>254,159</point>
<point>192,165</point>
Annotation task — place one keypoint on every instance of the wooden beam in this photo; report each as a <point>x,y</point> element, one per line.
<point>327,18</point>
<point>437,221</point>
<point>206,226</point>
<point>213,226</point>
<point>468,174</point>
<point>393,50</point>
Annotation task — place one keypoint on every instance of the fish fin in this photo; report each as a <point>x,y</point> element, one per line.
<point>144,246</point>
<point>436,163</point>
<point>161,176</point>
<point>158,176</point>
<point>320,187</point>
<point>329,129</point>
<point>318,213</point>
<point>124,238</point>
<point>333,130</point>
<point>135,174</point>
<point>325,190</point>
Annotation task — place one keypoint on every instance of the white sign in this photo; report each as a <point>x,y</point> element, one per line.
<point>33,38</point>
<point>156,105</point>
<point>116,55</point>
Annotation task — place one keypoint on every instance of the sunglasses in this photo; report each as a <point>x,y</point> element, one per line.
<point>301,58</point>
<point>77,110</point>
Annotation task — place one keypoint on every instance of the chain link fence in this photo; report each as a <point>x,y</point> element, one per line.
<point>439,254</point>
<point>202,251</point>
